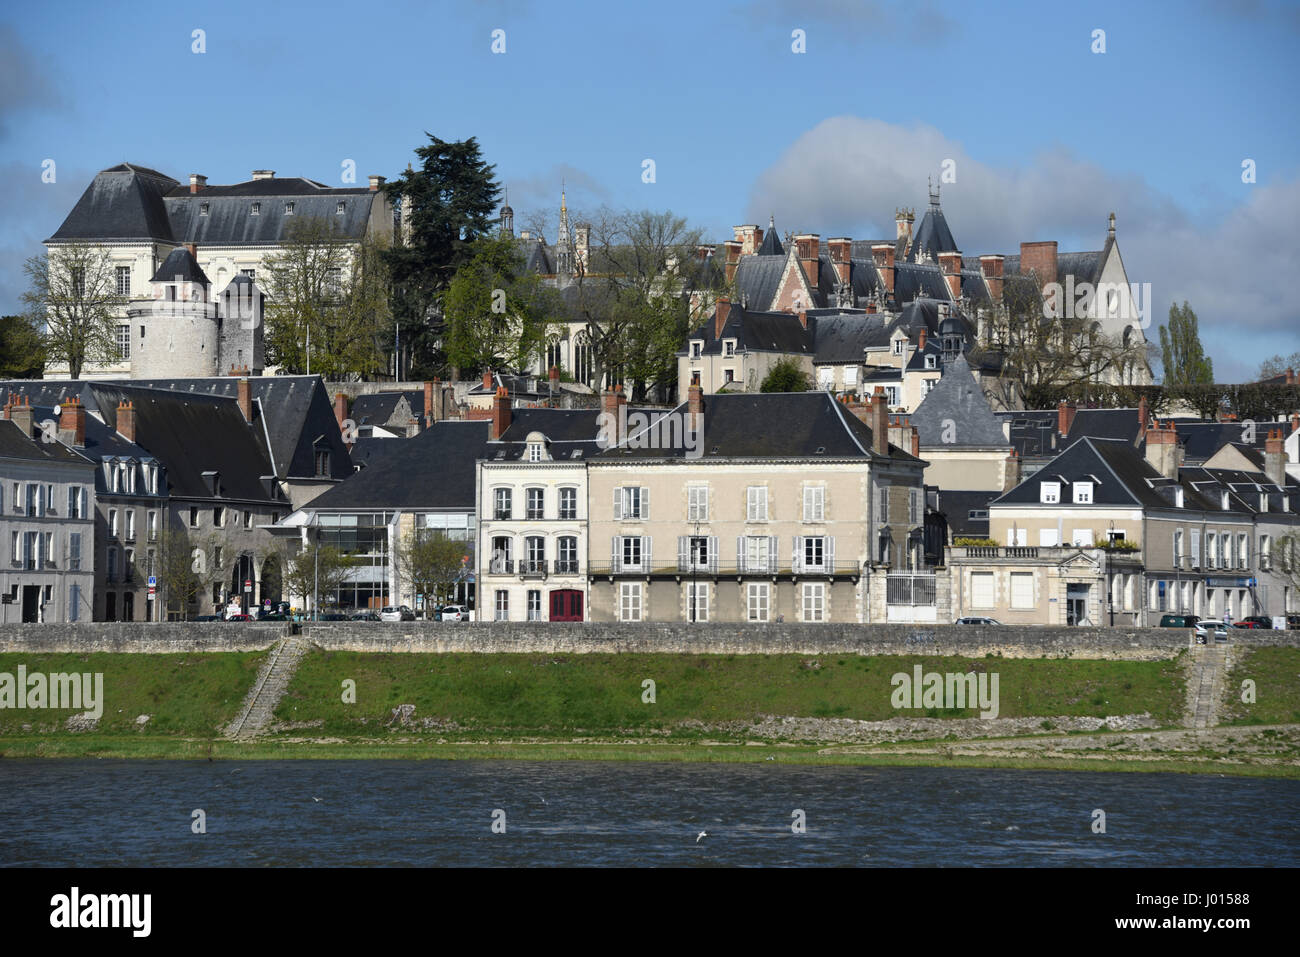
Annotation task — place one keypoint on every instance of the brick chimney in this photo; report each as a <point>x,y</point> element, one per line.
<point>197,182</point>
<point>883,254</point>
<point>1011,471</point>
<point>721,310</point>
<point>72,423</point>
<point>1143,414</point>
<point>1041,259</point>
<point>916,442</point>
<point>841,249</point>
<point>733,259</point>
<point>126,420</point>
<point>809,248</point>
<point>695,406</point>
<point>991,267</point>
<point>950,266</point>
<point>340,409</point>
<point>904,218</point>
<point>428,403</point>
<point>1164,454</point>
<point>1275,457</point>
<point>553,376</point>
<point>21,414</point>
<point>920,340</point>
<point>376,183</point>
<point>860,408</point>
<point>500,412</point>
<point>879,422</point>
<point>748,237</point>
<point>900,431</point>
<point>244,396</point>
<point>1064,417</point>
<point>487,380</point>
<point>193,250</point>
<point>803,318</point>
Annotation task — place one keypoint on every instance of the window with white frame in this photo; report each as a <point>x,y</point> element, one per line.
<point>152,526</point>
<point>631,503</point>
<point>1265,553</point>
<point>502,605</point>
<point>981,589</point>
<point>534,605</point>
<point>1082,493</point>
<point>630,552</point>
<point>891,394</point>
<point>756,503</point>
<point>814,601</point>
<point>629,601</point>
<point>1243,551</point>
<point>535,501</point>
<point>1178,548</point>
<point>897,347</point>
<point>814,552</point>
<point>123,280</point>
<point>1211,549</point>
<point>112,522</point>
<point>850,377</point>
<point>697,503</point>
<point>566,555</point>
<point>568,503</point>
<point>759,553</point>
<point>882,511</point>
<point>1049,493</point>
<point>729,347</point>
<point>534,451</point>
<point>697,601</point>
<point>130,525</point>
<point>814,503</point>
<point>825,377</point>
<point>696,348</point>
<point>1022,590</point>
<point>123,341</point>
<point>501,503</point>
<point>757,601</point>
<point>1196,548</point>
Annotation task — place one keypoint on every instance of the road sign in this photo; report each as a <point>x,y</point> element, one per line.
<point>153,581</point>
<point>248,584</point>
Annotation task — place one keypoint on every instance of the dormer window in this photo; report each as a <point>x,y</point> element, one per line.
<point>322,463</point>
<point>1082,493</point>
<point>1178,497</point>
<point>697,348</point>
<point>1049,493</point>
<point>256,210</point>
<point>534,451</point>
<point>288,209</point>
<point>1223,497</point>
<point>898,347</point>
<point>729,347</point>
<point>930,362</point>
<point>339,209</point>
<point>203,209</point>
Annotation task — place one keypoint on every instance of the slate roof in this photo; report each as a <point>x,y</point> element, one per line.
<point>433,470</point>
<point>933,235</point>
<point>739,425</point>
<point>1201,438</point>
<point>755,332</point>
<point>956,506</point>
<point>180,266</point>
<point>771,245</point>
<point>101,443</point>
<point>128,202</point>
<point>919,280</point>
<point>15,444</point>
<point>844,338</point>
<point>957,399</point>
<point>378,408</point>
<point>758,278</point>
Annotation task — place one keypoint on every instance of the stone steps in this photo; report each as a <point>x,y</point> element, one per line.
<point>1205,684</point>
<point>272,681</point>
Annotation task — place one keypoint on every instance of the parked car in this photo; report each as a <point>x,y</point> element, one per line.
<point>1179,621</point>
<point>1207,627</point>
<point>240,618</point>
<point>1293,621</point>
<point>396,613</point>
<point>1246,623</point>
<point>1260,621</point>
<point>206,618</point>
<point>366,615</point>
<point>976,620</point>
<point>452,613</point>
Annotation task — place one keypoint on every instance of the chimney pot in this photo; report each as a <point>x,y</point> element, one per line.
<point>376,183</point>
<point>197,182</point>
<point>126,420</point>
<point>721,310</point>
<point>263,174</point>
<point>72,422</point>
<point>500,412</point>
<point>244,394</point>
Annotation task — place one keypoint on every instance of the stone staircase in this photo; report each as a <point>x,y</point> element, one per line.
<point>1209,667</point>
<point>268,689</point>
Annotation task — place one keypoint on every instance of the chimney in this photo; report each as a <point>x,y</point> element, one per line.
<point>1041,259</point>
<point>1164,454</point>
<point>193,250</point>
<point>841,253</point>
<point>702,253</point>
<point>1290,377</point>
<point>904,218</point>
<point>883,254</point>
<point>428,403</point>
<point>126,421</point>
<point>21,414</point>
<point>721,310</point>
<point>197,182</point>
<point>1142,419</point>
<point>860,408</point>
<point>809,246</point>
<point>622,406</point>
<point>1011,471</point>
<point>500,413</point>
<point>803,318</point>
<point>244,395</point>
<point>916,442</point>
<point>376,183</point>
<point>1064,417</point>
<point>1295,421</point>
<point>920,340</point>
<point>991,267</point>
<point>950,266</point>
<point>733,259</point>
<point>340,408</point>
<point>72,423</point>
<point>487,380</point>
<point>879,422</point>
<point>554,376</point>
<point>1275,458</point>
<point>747,236</point>
<point>900,431</point>
<point>695,405</point>
<point>263,174</point>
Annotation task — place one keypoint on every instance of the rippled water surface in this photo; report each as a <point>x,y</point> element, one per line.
<point>332,813</point>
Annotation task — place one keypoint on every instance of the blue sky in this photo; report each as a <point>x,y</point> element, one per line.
<point>1047,136</point>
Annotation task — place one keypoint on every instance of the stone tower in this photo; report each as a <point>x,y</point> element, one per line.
<point>564,243</point>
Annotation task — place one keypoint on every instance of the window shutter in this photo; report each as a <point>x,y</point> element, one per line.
<point>618,504</point>
<point>807,504</point>
<point>615,560</point>
<point>704,495</point>
<point>1196,548</point>
<point>646,542</point>
<point>773,556</point>
<point>796,562</point>
<point>683,551</point>
<point>40,500</point>
<point>830,553</point>
<point>713,553</point>
<point>740,552</point>
<point>645,502</point>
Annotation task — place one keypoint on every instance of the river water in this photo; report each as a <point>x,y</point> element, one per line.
<point>437,813</point>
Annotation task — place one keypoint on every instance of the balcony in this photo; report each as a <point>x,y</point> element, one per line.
<point>501,566</point>
<point>1021,553</point>
<point>753,569</point>
<point>532,568</point>
<point>566,566</point>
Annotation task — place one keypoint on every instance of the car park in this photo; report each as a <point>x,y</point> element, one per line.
<point>452,613</point>
<point>976,620</point>
<point>1179,621</point>
<point>396,613</point>
<point>365,614</point>
<point>1207,627</point>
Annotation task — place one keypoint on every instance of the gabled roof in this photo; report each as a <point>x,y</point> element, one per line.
<point>434,470</point>
<point>956,414</point>
<point>844,338</point>
<point>755,332</point>
<point>379,408</point>
<point>739,425</point>
<point>917,280</point>
<point>758,278</point>
<point>15,444</point>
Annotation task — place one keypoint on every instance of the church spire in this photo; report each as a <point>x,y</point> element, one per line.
<point>564,241</point>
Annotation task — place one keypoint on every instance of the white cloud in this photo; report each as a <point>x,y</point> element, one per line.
<point>847,175</point>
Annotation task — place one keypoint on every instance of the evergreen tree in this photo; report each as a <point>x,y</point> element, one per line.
<point>786,375</point>
<point>1189,373</point>
<point>446,205</point>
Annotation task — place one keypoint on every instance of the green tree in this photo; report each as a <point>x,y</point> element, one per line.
<point>177,569</point>
<point>73,297</point>
<point>429,563</point>
<point>446,205</point>
<point>314,570</point>
<point>1189,373</point>
<point>496,313</point>
<point>22,351</point>
<point>786,375</point>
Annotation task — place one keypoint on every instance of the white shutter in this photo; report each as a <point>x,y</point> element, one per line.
<point>713,553</point>
<point>1196,548</point>
<point>646,542</point>
<point>740,552</point>
<point>981,589</point>
<point>683,551</point>
<point>615,561</point>
<point>704,494</point>
<point>830,553</point>
<point>773,543</point>
<point>749,504</point>
<point>807,504</point>
<point>645,503</point>
<point>618,504</point>
<point>796,561</point>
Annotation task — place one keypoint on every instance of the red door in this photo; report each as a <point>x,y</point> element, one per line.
<point>566,605</point>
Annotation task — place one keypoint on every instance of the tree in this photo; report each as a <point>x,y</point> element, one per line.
<point>786,375</point>
<point>496,313</point>
<point>22,351</point>
<point>1189,373</point>
<point>1046,357</point>
<point>177,569</point>
<point>430,563</point>
<point>1278,365</point>
<point>446,205</point>
<point>314,570</point>
<point>74,299</point>
<point>327,303</point>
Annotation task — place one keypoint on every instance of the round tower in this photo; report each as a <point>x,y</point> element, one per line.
<point>175,333</point>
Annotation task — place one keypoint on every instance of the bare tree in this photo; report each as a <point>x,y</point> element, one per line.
<point>74,299</point>
<point>429,563</point>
